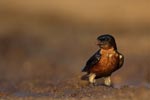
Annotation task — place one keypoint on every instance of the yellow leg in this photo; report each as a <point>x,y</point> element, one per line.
<point>107,81</point>
<point>92,78</point>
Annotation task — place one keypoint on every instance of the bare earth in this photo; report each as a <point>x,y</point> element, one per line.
<point>72,89</point>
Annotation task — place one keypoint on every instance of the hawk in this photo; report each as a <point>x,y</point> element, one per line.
<point>105,61</point>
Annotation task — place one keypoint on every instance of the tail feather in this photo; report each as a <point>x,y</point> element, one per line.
<point>84,77</point>
<point>83,69</point>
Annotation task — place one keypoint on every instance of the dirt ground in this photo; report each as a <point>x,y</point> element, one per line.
<point>44,45</point>
<point>71,89</point>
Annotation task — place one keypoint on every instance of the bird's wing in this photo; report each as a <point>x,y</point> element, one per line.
<point>92,61</point>
<point>121,60</point>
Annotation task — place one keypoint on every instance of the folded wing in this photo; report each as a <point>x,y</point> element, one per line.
<point>121,60</point>
<point>92,61</point>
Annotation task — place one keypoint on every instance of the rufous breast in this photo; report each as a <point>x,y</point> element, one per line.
<point>107,64</point>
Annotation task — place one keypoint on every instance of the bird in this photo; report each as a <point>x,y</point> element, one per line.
<point>104,62</point>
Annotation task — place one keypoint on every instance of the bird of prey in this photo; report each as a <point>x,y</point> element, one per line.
<point>105,61</point>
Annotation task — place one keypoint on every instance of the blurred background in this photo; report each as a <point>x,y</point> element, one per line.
<point>52,39</point>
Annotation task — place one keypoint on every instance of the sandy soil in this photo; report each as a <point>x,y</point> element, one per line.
<point>72,89</point>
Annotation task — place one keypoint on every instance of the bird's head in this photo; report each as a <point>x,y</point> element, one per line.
<point>106,42</point>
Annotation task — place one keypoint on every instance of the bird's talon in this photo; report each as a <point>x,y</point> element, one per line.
<point>107,81</point>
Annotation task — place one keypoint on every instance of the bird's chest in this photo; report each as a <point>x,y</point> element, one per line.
<point>107,63</point>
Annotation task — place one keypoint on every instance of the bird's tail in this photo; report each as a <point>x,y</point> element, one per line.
<point>85,77</point>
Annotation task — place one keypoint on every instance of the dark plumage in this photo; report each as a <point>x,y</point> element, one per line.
<point>105,61</point>
<point>92,61</point>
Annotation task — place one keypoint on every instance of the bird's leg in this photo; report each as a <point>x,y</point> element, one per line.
<point>92,78</point>
<point>107,81</point>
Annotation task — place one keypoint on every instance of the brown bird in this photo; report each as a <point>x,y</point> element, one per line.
<point>105,61</point>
